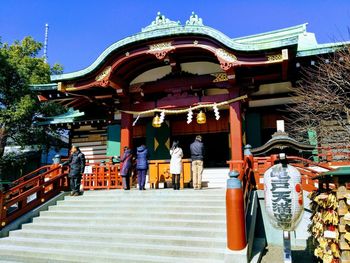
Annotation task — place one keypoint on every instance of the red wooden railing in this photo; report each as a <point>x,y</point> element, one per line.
<point>246,175</point>
<point>102,176</point>
<point>334,153</point>
<point>30,191</point>
<point>252,170</point>
<point>35,188</point>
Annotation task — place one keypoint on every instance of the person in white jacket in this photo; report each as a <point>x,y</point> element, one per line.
<point>176,164</point>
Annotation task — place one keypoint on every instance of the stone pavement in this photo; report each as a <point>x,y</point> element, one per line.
<point>275,255</point>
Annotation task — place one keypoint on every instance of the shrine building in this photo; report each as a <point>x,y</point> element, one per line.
<point>175,81</point>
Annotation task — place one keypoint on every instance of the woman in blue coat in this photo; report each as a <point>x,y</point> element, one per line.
<point>125,171</point>
<point>142,166</point>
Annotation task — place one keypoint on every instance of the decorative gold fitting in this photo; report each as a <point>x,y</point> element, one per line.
<point>156,122</point>
<point>201,118</point>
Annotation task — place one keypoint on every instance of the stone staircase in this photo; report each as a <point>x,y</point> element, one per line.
<point>215,177</point>
<point>125,226</point>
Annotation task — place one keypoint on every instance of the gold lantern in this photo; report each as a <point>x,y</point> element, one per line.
<point>156,121</point>
<point>201,118</point>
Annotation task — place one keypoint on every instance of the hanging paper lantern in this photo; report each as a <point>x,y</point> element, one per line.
<point>156,122</point>
<point>283,196</point>
<point>201,118</point>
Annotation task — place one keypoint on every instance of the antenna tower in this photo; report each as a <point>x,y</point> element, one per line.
<point>46,41</point>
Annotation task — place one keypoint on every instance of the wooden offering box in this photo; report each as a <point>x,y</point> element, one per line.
<point>159,172</point>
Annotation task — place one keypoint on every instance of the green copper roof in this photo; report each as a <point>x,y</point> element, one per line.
<point>38,87</point>
<point>163,27</point>
<point>341,171</point>
<point>70,116</point>
<point>322,49</point>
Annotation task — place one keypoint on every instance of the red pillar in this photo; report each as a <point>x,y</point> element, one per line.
<point>126,131</point>
<point>236,129</point>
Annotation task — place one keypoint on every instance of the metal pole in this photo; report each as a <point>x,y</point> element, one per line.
<point>287,251</point>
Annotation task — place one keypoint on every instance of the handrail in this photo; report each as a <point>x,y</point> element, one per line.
<point>246,175</point>
<point>31,192</point>
<point>32,174</point>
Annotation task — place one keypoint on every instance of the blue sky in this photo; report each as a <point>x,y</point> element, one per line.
<point>81,30</point>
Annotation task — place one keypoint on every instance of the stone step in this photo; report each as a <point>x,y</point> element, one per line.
<point>131,208</point>
<point>131,237</point>
<point>141,229</point>
<point>126,221</point>
<point>125,226</point>
<point>31,254</point>
<point>136,213</point>
<point>142,202</point>
<point>132,197</point>
<point>135,249</point>
<point>168,192</point>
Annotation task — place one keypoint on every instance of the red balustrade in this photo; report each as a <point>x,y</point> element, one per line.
<point>30,191</point>
<point>102,176</point>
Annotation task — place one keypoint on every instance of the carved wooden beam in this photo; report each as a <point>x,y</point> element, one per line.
<point>160,50</point>
<point>284,64</point>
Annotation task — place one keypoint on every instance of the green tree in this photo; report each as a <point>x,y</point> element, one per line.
<point>20,66</point>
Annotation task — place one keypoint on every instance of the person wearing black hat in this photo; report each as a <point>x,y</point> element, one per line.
<point>197,152</point>
<point>76,164</point>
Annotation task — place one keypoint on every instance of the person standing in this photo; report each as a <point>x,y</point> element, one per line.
<point>197,152</point>
<point>76,164</point>
<point>176,164</point>
<point>141,166</point>
<point>125,171</point>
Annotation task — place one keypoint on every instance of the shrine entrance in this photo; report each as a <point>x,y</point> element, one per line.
<point>216,146</point>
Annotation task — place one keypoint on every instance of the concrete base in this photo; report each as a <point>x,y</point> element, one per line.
<point>274,236</point>
<point>239,256</point>
<point>26,218</point>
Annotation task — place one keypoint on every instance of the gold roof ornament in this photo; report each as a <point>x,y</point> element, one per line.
<point>156,121</point>
<point>201,118</point>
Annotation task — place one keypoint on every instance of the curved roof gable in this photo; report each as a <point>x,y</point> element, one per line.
<point>164,27</point>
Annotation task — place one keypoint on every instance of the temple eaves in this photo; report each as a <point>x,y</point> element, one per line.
<point>164,27</point>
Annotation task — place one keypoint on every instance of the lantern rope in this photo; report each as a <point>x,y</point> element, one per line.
<point>200,106</point>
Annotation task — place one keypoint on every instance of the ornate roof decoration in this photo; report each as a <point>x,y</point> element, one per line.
<point>160,22</point>
<point>104,73</point>
<point>160,50</point>
<point>281,140</point>
<point>194,20</point>
<point>163,27</point>
<point>70,116</point>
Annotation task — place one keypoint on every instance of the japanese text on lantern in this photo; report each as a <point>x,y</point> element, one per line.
<point>281,198</point>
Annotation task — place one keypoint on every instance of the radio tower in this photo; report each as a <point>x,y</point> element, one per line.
<point>46,41</point>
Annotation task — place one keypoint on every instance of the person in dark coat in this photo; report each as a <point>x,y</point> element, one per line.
<point>197,152</point>
<point>125,170</point>
<point>76,164</point>
<point>141,166</point>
